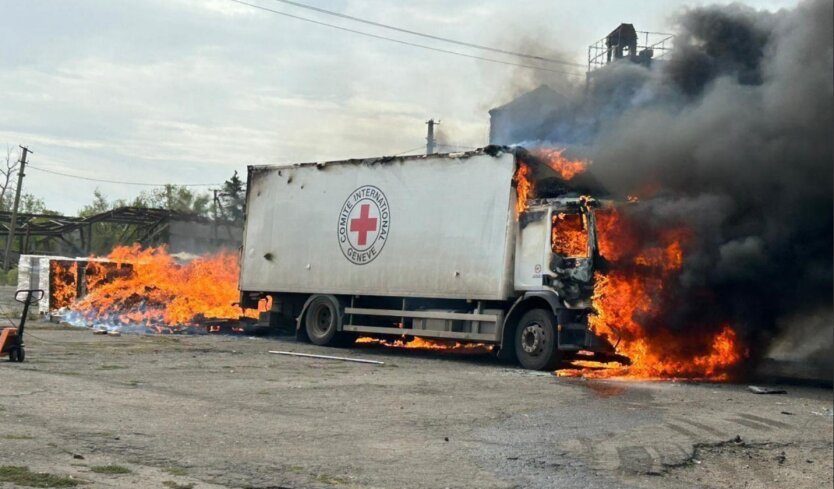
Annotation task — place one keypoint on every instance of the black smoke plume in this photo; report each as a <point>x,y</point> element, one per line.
<point>731,135</point>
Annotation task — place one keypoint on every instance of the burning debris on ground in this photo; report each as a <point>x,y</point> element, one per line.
<point>150,291</point>
<point>418,343</point>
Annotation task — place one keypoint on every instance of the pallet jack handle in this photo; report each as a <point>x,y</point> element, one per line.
<point>27,297</point>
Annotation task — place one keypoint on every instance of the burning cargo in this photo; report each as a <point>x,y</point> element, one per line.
<point>64,280</point>
<point>140,290</point>
<point>158,292</point>
<point>442,246</point>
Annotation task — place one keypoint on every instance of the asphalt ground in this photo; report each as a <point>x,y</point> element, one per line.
<point>220,411</point>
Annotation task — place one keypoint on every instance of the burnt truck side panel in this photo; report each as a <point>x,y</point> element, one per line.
<point>439,226</point>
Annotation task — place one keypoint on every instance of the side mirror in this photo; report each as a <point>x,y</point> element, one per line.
<point>29,296</point>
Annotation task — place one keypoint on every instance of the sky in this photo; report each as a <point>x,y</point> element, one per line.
<point>188,91</point>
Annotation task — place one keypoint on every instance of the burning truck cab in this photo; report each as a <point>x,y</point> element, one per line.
<point>561,234</point>
<point>448,247</point>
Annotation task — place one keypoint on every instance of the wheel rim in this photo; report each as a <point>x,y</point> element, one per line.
<point>323,319</point>
<point>532,339</point>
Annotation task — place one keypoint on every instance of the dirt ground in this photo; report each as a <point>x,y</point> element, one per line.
<point>220,411</point>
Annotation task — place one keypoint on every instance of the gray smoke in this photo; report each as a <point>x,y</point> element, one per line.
<point>731,136</point>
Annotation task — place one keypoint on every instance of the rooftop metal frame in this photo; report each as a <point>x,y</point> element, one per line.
<point>600,53</point>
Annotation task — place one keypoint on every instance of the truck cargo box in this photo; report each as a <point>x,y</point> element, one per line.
<point>418,226</point>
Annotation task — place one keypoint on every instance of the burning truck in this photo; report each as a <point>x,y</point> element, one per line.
<point>447,247</point>
<point>499,249</point>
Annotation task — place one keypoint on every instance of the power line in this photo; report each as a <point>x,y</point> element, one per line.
<point>143,184</point>
<point>430,36</point>
<point>409,150</point>
<point>456,146</point>
<point>406,43</point>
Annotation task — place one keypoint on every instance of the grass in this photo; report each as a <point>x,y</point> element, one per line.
<point>329,479</point>
<point>174,485</point>
<point>22,476</point>
<point>17,437</point>
<point>110,469</point>
<point>178,471</point>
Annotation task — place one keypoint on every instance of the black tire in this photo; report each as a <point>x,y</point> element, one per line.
<point>14,354</point>
<point>535,341</point>
<point>322,321</point>
<point>21,355</point>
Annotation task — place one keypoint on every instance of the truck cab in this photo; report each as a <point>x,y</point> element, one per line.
<point>556,256</point>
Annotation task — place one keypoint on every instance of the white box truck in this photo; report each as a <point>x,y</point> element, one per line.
<point>428,246</point>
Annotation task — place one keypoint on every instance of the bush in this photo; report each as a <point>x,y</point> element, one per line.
<point>11,277</point>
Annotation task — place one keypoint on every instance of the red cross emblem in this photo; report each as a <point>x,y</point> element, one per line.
<point>363,224</point>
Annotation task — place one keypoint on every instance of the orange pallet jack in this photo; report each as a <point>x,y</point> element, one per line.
<point>11,339</point>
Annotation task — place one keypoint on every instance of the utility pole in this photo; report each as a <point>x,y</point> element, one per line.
<point>10,236</point>
<point>431,142</point>
<point>215,206</point>
<point>216,202</point>
<point>218,194</point>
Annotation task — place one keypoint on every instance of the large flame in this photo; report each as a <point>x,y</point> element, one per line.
<point>523,187</point>
<point>149,289</point>
<point>570,234</point>
<point>631,301</point>
<point>556,160</point>
<point>62,283</point>
<point>553,158</point>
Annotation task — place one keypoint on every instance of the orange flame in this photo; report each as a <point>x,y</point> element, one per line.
<point>63,287</point>
<point>569,235</point>
<point>151,289</point>
<point>425,344</point>
<point>632,295</point>
<point>555,159</point>
<point>100,272</point>
<point>523,187</point>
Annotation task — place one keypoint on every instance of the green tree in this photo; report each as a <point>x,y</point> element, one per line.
<point>33,205</point>
<point>175,198</point>
<point>233,198</point>
<point>97,206</point>
<point>106,235</point>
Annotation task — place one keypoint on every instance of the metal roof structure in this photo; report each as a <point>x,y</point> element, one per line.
<point>141,225</point>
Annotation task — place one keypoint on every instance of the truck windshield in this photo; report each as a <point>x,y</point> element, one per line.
<point>569,235</point>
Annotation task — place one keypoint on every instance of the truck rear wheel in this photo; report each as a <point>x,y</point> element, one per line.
<point>322,320</point>
<point>535,341</point>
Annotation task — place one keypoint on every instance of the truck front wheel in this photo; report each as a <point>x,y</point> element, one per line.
<point>535,341</point>
<point>322,320</point>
